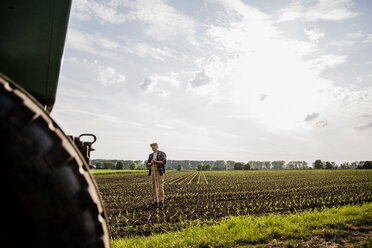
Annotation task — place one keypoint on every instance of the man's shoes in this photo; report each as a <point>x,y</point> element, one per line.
<point>161,205</point>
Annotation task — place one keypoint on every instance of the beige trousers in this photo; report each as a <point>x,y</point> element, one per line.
<point>157,184</point>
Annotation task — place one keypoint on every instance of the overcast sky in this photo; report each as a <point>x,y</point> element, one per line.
<point>220,79</point>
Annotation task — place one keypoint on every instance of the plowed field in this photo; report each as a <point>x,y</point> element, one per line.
<point>206,196</point>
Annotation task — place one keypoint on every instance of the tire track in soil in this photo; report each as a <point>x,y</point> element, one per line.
<point>170,182</point>
<point>198,179</point>
<point>206,181</point>
<point>186,178</point>
<point>176,185</point>
<point>193,177</point>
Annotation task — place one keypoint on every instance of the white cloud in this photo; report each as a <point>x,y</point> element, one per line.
<point>366,115</point>
<point>326,61</point>
<point>200,79</point>
<point>97,44</point>
<point>80,10</point>
<point>312,11</point>
<point>206,80</point>
<point>96,116</point>
<point>70,59</point>
<point>164,126</point>
<point>70,110</point>
<point>105,13</point>
<point>169,79</point>
<point>263,97</point>
<point>355,35</point>
<point>91,43</point>
<point>364,127</point>
<point>368,39</point>
<point>163,21</point>
<point>159,84</point>
<point>312,116</point>
<point>240,116</point>
<point>349,106</point>
<point>106,43</point>
<point>108,76</point>
<point>313,33</point>
<point>148,84</point>
<point>162,93</point>
<point>340,43</point>
<point>322,123</point>
<point>146,50</point>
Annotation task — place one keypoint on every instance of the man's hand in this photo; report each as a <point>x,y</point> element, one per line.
<point>149,164</point>
<point>157,161</point>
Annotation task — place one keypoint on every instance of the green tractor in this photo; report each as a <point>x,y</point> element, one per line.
<point>49,198</point>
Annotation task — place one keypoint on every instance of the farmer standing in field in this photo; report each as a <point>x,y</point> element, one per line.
<point>156,164</point>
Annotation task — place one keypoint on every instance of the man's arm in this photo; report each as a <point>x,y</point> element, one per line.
<point>163,160</point>
<point>149,161</point>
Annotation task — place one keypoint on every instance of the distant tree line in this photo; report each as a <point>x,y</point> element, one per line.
<point>230,165</point>
<point>119,164</point>
<point>319,164</point>
<point>271,165</point>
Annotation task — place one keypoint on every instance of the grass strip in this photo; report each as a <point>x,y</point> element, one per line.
<point>107,171</point>
<point>272,229</point>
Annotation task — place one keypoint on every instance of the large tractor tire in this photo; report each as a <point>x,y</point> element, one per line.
<point>48,197</point>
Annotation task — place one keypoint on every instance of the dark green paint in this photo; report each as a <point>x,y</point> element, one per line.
<point>32,37</point>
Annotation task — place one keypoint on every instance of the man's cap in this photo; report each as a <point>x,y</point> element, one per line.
<point>154,144</point>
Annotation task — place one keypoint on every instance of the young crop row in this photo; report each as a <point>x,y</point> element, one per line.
<point>207,196</point>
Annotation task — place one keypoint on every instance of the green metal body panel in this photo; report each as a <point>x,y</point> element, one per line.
<point>32,37</point>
